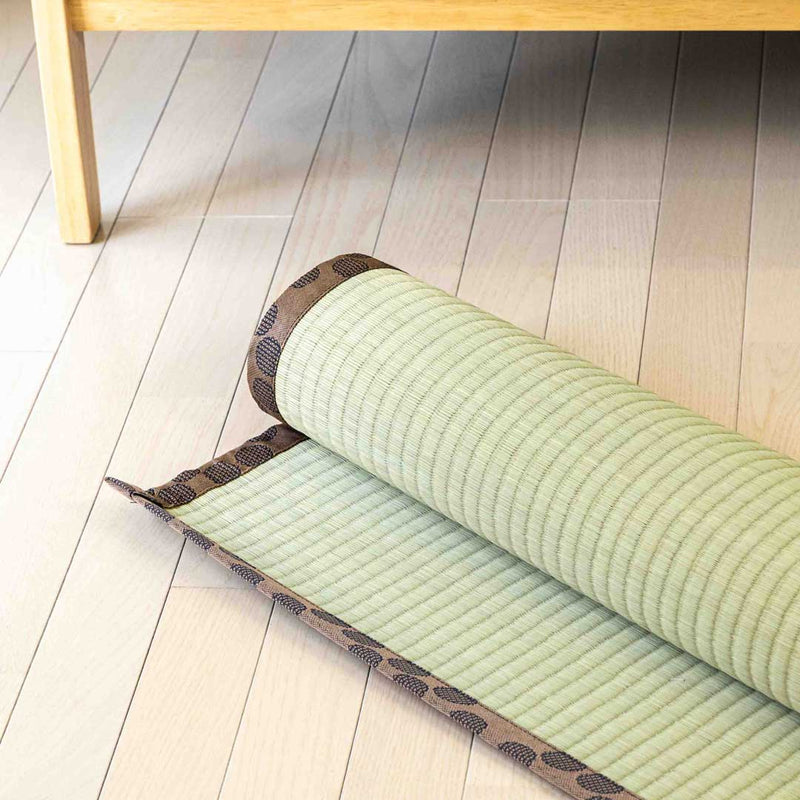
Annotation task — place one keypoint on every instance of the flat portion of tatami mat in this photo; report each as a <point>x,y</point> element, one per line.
<point>638,191</point>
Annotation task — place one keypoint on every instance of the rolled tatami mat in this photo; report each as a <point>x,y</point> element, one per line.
<point>602,584</point>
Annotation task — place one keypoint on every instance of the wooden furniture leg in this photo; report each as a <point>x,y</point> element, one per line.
<point>65,87</point>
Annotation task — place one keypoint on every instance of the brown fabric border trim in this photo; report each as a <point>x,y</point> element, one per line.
<point>555,766</point>
<point>280,319</point>
<point>191,483</point>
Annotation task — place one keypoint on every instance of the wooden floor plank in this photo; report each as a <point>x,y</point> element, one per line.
<point>601,284</point>
<point>520,217</point>
<point>206,647</point>
<point>695,314</point>
<point>22,376</point>
<point>349,184</point>
<point>546,94</point>
<point>80,683</point>
<point>183,163</point>
<point>622,149</point>
<point>514,244</point>
<point>430,212</point>
<point>404,748</point>
<point>769,407</point>
<point>600,294</point>
<point>269,161</point>
<point>492,775</point>
<point>23,141</point>
<point>16,42</point>
<point>44,278</point>
<point>299,720</point>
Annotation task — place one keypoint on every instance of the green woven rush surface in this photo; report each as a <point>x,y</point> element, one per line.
<point>653,718</point>
<point>687,529</point>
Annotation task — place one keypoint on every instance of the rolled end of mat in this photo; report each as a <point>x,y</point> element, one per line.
<point>687,529</point>
<point>282,316</point>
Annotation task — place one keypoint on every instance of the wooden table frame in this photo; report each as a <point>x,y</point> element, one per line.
<point>62,60</point>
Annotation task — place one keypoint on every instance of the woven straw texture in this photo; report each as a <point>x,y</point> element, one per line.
<point>652,718</point>
<point>681,526</point>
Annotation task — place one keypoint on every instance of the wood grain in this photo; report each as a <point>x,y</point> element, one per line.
<point>600,293</point>
<point>403,748</point>
<point>769,408</point>
<point>185,158</point>
<point>515,245</point>
<point>492,775</point>
<point>533,156</point>
<point>621,156</point>
<point>349,183</point>
<point>700,264</point>
<point>298,724</point>
<point>44,278</point>
<point>439,14</point>
<point>429,216</point>
<point>206,647</point>
<point>275,144</point>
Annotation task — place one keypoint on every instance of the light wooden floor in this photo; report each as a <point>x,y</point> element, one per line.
<point>636,197</point>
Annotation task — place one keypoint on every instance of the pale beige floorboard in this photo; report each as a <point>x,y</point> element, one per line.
<point>540,124</point>
<point>621,155</point>
<point>511,261</point>
<point>769,407</point>
<point>198,671</point>
<point>74,700</point>
<point>516,238</point>
<point>696,306</point>
<point>183,163</point>
<point>22,376</point>
<point>347,189</point>
<point>297,728</point>
<point>54,475</point>
<point>600,294</point>
<point>44,278</point>
<point>430,211</point>
<point>601,285</point>
<point>402,749</point>
<point>23,142</point>
<point>16,42</point>
<point>269,162</point>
